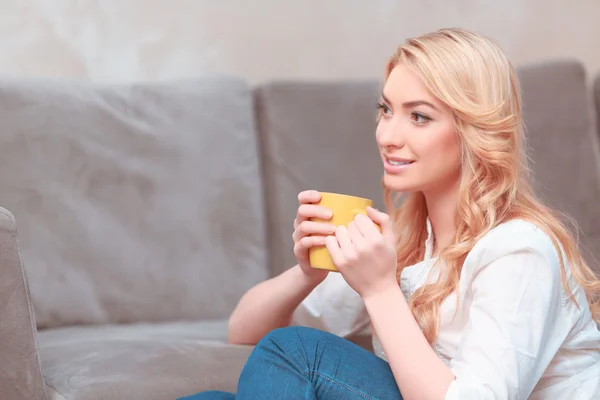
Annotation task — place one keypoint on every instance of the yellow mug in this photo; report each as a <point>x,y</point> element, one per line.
<point>344,209</point>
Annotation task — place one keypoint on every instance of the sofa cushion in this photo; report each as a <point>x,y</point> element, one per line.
<point>596,95</point>
<point>563,146</point>
<point>315,136</point>
<point>20,373</point>
<point>144,361</point>
<point>134,203</point>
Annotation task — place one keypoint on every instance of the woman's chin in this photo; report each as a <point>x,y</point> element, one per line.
<point>398,184</point>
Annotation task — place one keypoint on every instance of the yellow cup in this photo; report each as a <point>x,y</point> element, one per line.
<point>344,209</point>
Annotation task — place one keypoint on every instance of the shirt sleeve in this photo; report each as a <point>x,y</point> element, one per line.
<point>333,306</point>
<point>516,325</point>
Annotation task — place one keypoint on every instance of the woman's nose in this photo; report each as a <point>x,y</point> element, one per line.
<point>392,134</point>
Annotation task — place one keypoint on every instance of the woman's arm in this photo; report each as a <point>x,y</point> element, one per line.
<point>516,311</point>
<point>418,370</point>
<point>516,325</point>
<point>269,305</point>
<point>367,259</point>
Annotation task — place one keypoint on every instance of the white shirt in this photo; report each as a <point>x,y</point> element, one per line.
<point>516,334</point>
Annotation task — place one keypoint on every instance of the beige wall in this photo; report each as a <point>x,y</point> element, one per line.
<point>119,40</point>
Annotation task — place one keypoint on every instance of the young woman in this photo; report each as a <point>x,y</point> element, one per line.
<point>473,289</point>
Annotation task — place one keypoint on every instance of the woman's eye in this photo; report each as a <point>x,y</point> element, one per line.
<point>420,118</point>
<point>383,109</point>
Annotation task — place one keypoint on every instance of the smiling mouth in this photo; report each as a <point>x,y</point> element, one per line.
<point>398,163</point>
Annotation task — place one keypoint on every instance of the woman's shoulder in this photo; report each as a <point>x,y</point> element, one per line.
<point>516,236</point>
<point>519,254</point>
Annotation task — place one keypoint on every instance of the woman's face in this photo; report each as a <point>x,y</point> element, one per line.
<point>417,137</point>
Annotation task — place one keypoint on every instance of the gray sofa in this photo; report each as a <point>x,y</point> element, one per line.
<point>145,211</point>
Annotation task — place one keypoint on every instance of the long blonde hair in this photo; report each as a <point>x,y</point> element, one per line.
<point>471,75</point>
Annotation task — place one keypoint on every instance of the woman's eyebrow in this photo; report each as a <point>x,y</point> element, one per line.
<point>415,103</point>
<point>411,104</point>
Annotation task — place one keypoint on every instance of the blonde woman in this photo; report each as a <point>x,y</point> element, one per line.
<point>473,290</point>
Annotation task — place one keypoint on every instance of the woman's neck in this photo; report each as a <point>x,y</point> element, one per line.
<point>441,207</point>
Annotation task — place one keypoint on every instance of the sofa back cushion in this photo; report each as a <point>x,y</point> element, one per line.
<point>563,146</point>
<point>596,99</point>
<point>321,136</point>
<point>133,203</point>
<point>315,136</point>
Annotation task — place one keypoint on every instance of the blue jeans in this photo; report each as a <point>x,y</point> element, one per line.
<point>309,364</point>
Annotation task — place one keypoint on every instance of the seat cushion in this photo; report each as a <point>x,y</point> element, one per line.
<point>134,203</point>
<point>147,361</point>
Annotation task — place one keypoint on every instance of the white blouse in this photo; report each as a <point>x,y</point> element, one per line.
<point>515,335</point>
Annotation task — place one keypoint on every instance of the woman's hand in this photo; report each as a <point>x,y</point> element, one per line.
<point>365,257</point>
<point>308,234</point>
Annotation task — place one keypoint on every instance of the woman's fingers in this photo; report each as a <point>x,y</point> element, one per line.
<point>308,228</point>
<point>314,211</point>
<point>309,196</point>
<point>302,246</point>
<point>308,211</point>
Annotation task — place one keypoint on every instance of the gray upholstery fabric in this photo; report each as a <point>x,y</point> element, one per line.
<point>146,361</point>
<point>315,136</point>
<point>20,373</point>
<point>596,101</point>
<point>563,145</point>
<point>134,203</point>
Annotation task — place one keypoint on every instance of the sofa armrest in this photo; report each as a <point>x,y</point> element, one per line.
<point>20,368</point>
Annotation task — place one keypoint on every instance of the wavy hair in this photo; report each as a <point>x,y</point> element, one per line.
<point>472,76</point>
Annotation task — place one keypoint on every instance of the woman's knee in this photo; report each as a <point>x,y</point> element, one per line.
<point>279,345</point>
<point>294,335</point>
<point>297,339</point>
<point>280,337</point>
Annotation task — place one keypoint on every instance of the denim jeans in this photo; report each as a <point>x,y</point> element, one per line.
<point>309,364</point>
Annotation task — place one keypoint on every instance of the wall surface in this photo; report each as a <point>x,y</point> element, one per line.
<point>121,40</point>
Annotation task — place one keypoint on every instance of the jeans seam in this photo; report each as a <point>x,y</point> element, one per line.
<point>345,386</point>
<point>310,386</point>
<point>303,348</point>
<point>329,378</point>
<point>307,371</point>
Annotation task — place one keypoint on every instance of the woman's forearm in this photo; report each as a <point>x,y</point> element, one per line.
<point>419,372</point>
<point>268,305</point>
